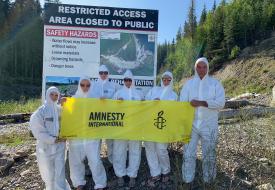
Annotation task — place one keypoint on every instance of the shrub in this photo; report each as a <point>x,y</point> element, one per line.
<point>235,52</point>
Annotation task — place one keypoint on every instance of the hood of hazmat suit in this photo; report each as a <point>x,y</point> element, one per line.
<point>103,88</point>
<point>128,93</point>
<point>163,92</point>
<point>44,122</point>
<point>79,92</point>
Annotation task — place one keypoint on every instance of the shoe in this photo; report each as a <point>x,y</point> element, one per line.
<point>80,187</point>
<point>210,186</point>
<point>153,181</point>
<point>132,182</point>
<point>165,178</point>
<point>120,181</point>
<point>187,186</point>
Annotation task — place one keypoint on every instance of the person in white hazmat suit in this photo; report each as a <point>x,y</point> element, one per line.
<point>79,149</point>
<point>105,89</point>
<point>50,150</point>
<point>207,96</point>
<point>128,92</point>
<point>157,153</point>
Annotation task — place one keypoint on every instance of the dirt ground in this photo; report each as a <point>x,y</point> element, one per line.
<point>245,159</point>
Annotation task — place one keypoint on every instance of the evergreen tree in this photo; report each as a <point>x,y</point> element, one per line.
<point>179,34</point>
<point>2,13</point>
<point>214,6</point>
<point>191,24</point>
<point>173,44</point>
<point>185,29</point>
<point>5,6</point>
<point>203,15</point>
<point>223,2</point>
<point>22,48</point>
<point>233,26</point>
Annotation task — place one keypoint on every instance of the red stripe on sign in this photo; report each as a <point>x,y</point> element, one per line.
<point>72,33</point>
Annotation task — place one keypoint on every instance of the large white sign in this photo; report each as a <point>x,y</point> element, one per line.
<point>78,39</point>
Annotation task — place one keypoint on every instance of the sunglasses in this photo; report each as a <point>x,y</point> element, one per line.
<point>103,72</point>
<point>165,79</point>
<point>83,85</point>
<point>127,80</point>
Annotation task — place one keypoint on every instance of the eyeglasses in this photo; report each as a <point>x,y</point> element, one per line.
<point>103,72</point>
<point>83,85</point>
<point>166,79</point>
<point>127,80</point>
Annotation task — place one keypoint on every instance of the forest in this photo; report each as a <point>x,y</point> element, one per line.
<point>219,34</point>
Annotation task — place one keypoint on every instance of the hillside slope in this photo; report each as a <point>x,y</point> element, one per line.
<point>252,71</point>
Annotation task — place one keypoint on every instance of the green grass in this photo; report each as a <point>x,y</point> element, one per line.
<point>234,87</point>
<point>14,139</point>
<point>21,106</point>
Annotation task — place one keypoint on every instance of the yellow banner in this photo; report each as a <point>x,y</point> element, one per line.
<point>158,121</point>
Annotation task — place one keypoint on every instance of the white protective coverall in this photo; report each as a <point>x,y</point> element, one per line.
<point>105,89</point>
<point>205,124</point>
<point>79,149</point>
<point>156,153</point>
<point>44,124</point>
<point>121,146</point>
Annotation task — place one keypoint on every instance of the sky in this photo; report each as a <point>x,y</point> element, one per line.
<point>172,13</point>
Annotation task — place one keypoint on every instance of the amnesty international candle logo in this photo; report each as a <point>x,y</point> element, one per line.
<point>160,121</point>
<point>106,119</point>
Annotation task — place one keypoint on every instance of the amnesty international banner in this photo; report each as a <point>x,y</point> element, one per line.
<point>158,121</point>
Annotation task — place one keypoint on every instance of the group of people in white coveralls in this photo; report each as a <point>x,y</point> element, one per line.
<point>204,93</point>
